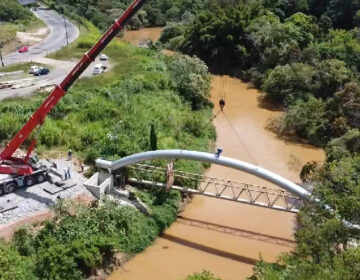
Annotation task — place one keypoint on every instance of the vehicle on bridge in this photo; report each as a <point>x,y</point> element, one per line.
<point>24,171</point>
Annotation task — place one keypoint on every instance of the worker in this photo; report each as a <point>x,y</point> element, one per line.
<point>54,165</point>
<point>218,153</point>
<point>222,104</point>
<point>69,173</point>
<point>70,155</point>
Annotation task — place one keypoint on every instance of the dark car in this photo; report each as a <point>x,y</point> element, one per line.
<point>42,71</point>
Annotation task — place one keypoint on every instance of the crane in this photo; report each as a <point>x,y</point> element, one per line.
<point>24,172</point>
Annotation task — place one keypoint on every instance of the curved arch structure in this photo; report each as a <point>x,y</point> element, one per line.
<point>211,158</point>
<point>220,160</point>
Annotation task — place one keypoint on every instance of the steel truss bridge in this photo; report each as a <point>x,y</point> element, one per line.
<point>289,197</point>
<point>195,184</point>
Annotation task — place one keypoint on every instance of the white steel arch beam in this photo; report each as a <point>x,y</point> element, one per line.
<point>211,158</point>
<point>220,160</point>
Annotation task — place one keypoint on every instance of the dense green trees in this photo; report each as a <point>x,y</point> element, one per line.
<point>294,52</point>
<point>81,239</point>
<point>326,249</point>
<point>218,36</point>
<point>12,265</point>
<point>155,12</point>
<point>191,78</point>
<point>11,10</point>
<point>168,92</point>
<point>291,56</point>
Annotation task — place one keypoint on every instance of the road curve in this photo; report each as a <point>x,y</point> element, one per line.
<point>55,41</point>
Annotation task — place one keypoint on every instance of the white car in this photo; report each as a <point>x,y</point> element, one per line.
<point>103,57</point>
<point>98,69</point>
<point>34,69</point>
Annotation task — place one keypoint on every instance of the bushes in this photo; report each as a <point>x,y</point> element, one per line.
<point>287,83</point>
<point>85,43</point>
<point>346,146</point>
<point>23,242</point>
<point>12,265</point>
<point>307,120</point>
<point>191,78</point>
<point>7,32</point>
<point>56,262</point>
<point>50,135</point>
<point>11,10</point>
<point>80,239</point>
<point>110,116</point>
<point>280,49</point>
<point>205,275</point>
<point>101,13</point>
<point>171,31</point>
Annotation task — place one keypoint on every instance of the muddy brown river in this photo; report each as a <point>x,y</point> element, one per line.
<point>225,237</point>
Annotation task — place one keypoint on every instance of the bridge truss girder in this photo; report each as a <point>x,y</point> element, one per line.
<point>273,198</point>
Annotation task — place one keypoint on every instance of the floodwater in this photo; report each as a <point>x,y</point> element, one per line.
<point>225,237</point>
<point>136,36</point>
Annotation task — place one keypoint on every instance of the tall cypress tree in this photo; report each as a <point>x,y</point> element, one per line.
<point>153,138</point>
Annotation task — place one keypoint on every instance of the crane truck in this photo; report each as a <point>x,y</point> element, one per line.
<point>17,172</point>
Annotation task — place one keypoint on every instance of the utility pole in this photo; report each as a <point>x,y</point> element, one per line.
<point>1,58</point>
<point>67,38</point>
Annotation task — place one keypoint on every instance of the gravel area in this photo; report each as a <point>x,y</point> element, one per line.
<point>34,199</point>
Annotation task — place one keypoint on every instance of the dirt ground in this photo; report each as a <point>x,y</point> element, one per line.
<point>25,39</point>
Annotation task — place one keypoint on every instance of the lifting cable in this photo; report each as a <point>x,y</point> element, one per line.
<point>222,95</point>
<point>221,98</point>
<point>240,140</point>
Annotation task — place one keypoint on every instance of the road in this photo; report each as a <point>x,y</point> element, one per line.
<point>55,41</point>
<point>59,69</point>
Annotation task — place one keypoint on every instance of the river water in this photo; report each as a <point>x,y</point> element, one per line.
<point>225,237</point>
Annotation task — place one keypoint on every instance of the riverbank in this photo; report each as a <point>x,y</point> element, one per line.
<point>188,246</point>
<point>138,99</point>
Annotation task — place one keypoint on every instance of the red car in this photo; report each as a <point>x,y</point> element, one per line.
<point>23,49</point>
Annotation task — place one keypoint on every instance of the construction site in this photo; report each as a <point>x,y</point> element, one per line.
<point>139,151</point>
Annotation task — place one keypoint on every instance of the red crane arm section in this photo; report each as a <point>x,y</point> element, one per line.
<point>39,116</point>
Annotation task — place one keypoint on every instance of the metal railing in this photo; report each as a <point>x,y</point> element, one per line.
<point>196,184</point>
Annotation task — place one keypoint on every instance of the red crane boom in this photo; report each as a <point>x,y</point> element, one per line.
<point>19,166</point>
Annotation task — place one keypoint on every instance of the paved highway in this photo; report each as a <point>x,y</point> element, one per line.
<point>55,41</point>
<point>59,69</point>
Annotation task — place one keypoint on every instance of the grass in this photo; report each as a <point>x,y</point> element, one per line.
<point>7,32</point>
<point>30,25</point>
<point>89,34</point>
<point>22,66</point>
<point>136,92</point>
<point>108,116</point>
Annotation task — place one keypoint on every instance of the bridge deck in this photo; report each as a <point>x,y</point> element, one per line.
<point>216,187</point>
